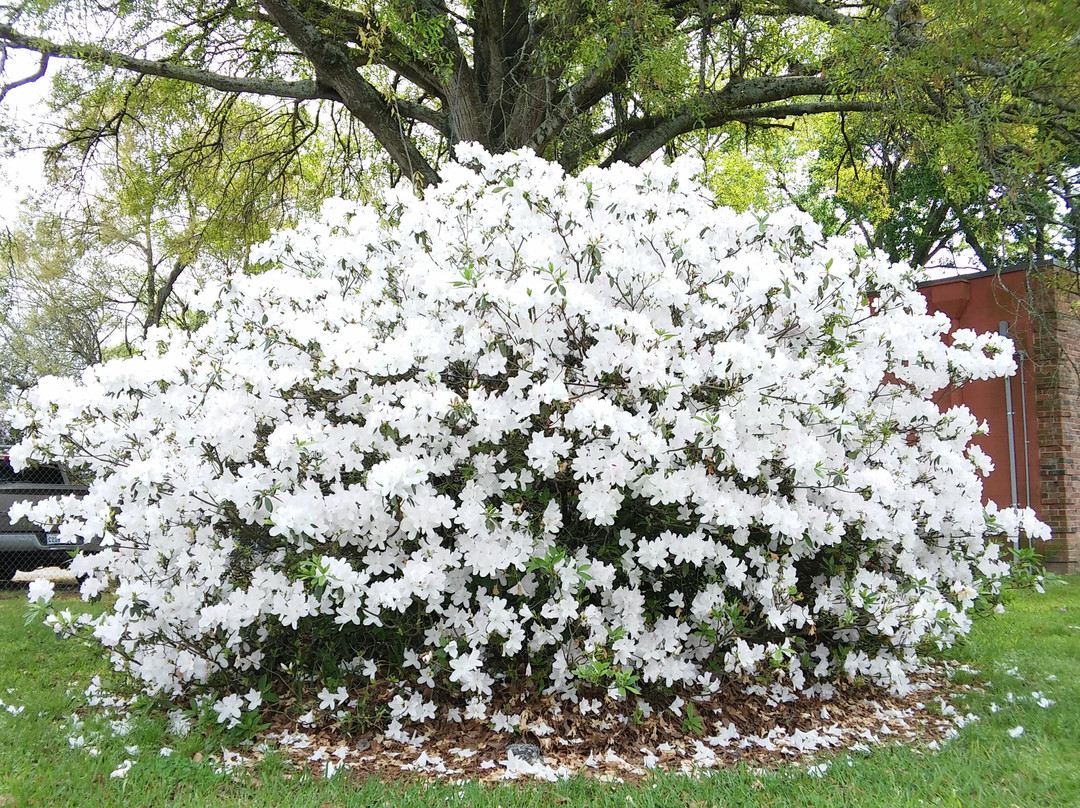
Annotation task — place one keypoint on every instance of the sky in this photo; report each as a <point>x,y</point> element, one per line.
<point>25,107</point>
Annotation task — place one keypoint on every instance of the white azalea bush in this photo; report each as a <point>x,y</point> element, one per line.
<point>590,434</point>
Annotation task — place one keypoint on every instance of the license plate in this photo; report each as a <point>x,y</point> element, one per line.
<point>54,538</point>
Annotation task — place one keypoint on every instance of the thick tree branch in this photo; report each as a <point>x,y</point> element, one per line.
<point>463,117</point>
<point>897,15</point>
<point>158,301</point>
<point>574,151</point>
<point>516,85</point>
<point>304,90</point>
<point>987,67</point>
<point>422,113</point>
<point>968,228</point>
<point>437,11</point>
<point>581,95</point>
<point>819,11</point>
<point>334,69</point>
<point>736,101</point>
<point>298,90</point>
<point>374,43</point>
<point>930,239</point>
<point>805,108</point>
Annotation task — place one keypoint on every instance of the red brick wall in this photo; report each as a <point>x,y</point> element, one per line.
<point>1043,323</point>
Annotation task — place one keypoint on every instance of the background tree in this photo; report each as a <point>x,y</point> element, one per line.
<point>54,320</point>
<point>104,252</point>
<point>979,148</point>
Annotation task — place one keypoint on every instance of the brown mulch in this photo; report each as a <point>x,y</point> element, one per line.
<point>769,732</point>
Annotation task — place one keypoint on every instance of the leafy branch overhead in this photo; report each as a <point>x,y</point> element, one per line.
<point>577,80</point>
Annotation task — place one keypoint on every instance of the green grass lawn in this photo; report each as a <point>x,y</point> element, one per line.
<point>1034,647</point>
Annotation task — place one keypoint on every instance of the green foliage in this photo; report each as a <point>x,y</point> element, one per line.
<point>1028,571</point>
<point>693,724</point>
<point>598,670</point>
<point>128,226</point>
<point>975,143</point>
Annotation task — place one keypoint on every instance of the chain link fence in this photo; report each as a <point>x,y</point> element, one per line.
<point>25,548</point>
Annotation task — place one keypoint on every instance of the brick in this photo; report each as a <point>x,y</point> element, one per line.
<point>1039,307</point>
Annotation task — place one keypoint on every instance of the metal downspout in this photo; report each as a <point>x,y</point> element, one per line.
<point>1003,329</point>
<point>1024,432</point>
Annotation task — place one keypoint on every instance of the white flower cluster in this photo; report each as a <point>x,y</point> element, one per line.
<point>593,430</point>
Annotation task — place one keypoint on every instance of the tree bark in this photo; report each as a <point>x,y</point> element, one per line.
<point>334,69</point>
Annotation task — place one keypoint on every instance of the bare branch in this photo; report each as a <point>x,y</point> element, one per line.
<point>39,73</point>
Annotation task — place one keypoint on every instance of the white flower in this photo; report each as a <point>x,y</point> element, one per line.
<point>40,590</point>
<point>586,706</point>
<point>501,722</point>
<point>229,709</point>
<point>179,723</point>
<point>396,477</point>
<point>475,709</point>
<point>545,451</point>
<point>1016,732</point>
<point>395,423</point>
<point>466,670</point>
<point>677,705</point>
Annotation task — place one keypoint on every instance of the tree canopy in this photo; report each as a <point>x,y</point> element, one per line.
<point>583,81</point>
